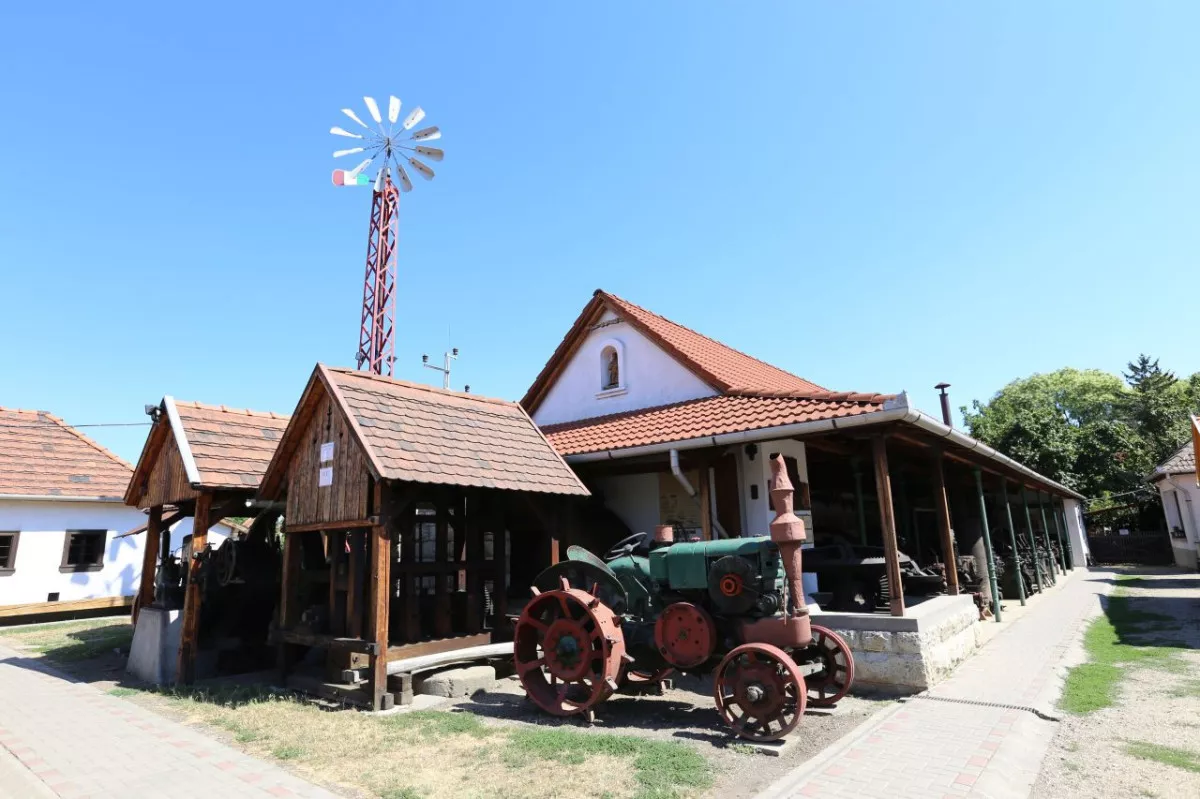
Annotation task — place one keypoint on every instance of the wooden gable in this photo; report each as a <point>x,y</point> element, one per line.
<point>328,479</point>
<point>164,479</point>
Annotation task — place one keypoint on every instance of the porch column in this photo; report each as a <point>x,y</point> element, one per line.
<point>1012,537</point>
<point>942,501</point>
<point>887,523</point>
<point>1062,535</point>
<point>987,543</point>
<point>380,581</point>
<point>145,596</point>
<point>185,668</point>
<point>1037,561</point>
<point>1045,526</point>
<point>856,465</point>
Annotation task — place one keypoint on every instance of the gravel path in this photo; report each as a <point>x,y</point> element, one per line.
<point>1158,704</point>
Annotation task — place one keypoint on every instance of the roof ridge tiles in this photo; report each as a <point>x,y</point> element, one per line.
<point>395,381</point>
<point>226,409</point>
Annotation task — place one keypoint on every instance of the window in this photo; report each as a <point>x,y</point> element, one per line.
<point>83,551</point>
<point>8,552</point>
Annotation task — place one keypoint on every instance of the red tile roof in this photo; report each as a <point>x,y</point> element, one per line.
<point>41,455</point>
<point>231,446</point>
<point>720,366</point>
<point>708,416</point>
<point>1182,462</point>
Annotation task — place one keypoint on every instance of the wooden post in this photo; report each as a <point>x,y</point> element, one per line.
<point>475,523</point>
<point>149,559</point>
<point>942,501</point>
<point>185,667</point>
<point>987,543</point>
<point>441,554</point>
<point>409,588</point>
<point>855,464</point>
<point>380,582</point>
<point>499,570</point>
<point>887,523</point>
<point>335,540</point>
<point>705,505</point>
<point>354,589</point>
<point>1012,537</point>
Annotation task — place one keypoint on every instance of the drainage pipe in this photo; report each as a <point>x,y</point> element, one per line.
<point>679,475</point>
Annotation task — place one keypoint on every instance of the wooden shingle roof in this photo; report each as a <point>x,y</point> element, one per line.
<point>420,434</point>
<point>43,456</point>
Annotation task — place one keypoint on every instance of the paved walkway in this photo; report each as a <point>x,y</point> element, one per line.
<point>67,739</point>
<point>937,744</point>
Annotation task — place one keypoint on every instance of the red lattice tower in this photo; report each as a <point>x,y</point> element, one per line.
<point>377,334</point>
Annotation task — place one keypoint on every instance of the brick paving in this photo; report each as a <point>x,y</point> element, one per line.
<point>64,738</point>
<point>935,745</point>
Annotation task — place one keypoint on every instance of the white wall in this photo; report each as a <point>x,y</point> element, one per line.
<point>43,527</point>
<point>1182,487</point>
<point>649,377</point>
<point>633,497</point>
<point>756,513</point>
<point>1076,532</point>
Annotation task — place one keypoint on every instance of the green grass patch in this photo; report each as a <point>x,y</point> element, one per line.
<point>122,691</point>
<point>287,752</point>
<point>1187,688</point>
<point>660,767</point>
<point>438,724</point>
<point>1093,685</point>
<point>400,793</point>
<point>71,642</point>
<point>1167,755</point>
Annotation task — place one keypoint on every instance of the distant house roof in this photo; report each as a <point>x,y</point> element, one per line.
<point>421,434</point>
<point>221,447</point>
<point>43,456</point>
<point>722,367</point>
<point>1182,462</point>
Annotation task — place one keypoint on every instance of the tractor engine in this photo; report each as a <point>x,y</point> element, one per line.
<point>737,577</point>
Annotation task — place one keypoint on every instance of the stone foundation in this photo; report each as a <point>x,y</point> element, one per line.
<point>912,652</point>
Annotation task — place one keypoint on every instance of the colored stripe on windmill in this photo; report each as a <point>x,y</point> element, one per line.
<point>343,177</point>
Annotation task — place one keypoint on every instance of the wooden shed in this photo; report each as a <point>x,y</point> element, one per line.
<point>397,519</point>
<point>203,461</point>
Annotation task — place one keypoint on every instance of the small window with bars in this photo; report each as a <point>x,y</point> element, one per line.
<point>8,552</point>
<point>83,550</point>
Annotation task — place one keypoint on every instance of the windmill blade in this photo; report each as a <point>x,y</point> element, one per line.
<point>336,131</point>
<point>427,134</point>
<point>373,109</point>
<point>351,151</point>
<point>422,169</point>
<point>433,153</point>
<point>348,112</point>
<point>405,183</point>
<point>414,116</point>
<point>393,109</point>
<point>360,167</point>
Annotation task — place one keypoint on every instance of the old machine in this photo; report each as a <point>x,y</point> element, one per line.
<point>734,608</point>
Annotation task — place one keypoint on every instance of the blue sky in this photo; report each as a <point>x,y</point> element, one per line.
<point>876,196</point>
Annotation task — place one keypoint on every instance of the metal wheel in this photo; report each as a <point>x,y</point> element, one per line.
<point>760,692</point>
<point>568,651</point>
<point>833,682</point>
<point>645,676</point>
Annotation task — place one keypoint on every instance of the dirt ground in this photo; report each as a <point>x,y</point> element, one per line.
<point>1147,743</point>
<point>495,743</point>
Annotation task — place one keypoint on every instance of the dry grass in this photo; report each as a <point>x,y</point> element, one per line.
<point>436,754</point>
<point>71,641</point>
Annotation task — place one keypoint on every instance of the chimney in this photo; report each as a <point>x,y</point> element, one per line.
<point>947,419</point>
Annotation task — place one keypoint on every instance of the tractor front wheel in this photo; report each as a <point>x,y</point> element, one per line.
<point>760,692</point>
<point>833,681</point>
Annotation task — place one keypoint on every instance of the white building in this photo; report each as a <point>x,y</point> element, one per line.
<point>1175,479</point>
<point>61,518</point>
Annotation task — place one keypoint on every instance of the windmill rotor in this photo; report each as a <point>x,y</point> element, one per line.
<point>389,144</point>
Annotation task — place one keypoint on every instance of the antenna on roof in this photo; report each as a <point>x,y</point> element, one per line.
<point>445,367</point>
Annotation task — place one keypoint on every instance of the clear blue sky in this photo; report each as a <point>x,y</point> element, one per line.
<point>876,196</point>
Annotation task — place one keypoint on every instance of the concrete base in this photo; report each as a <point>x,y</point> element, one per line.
<point>456,683</point>
<point>913,652</point>
<point>155,649</point>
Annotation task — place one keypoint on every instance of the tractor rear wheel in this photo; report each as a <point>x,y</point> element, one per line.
<point>760,692</point>
<point>568,650</point>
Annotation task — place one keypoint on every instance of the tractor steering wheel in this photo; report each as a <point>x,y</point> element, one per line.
<point>625,546</point>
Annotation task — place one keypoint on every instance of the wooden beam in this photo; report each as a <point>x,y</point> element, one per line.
<point>704,495</point>
<point>381,561</point>
<point>438,646</point>
<point>942,511</point>
<point>67,606</point>
<point>185,668</point>
<point>887,523</point>
<point>320,527</point>
<point>149,559</point>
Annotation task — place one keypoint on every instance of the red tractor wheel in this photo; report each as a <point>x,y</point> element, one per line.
<point>685,635</point>
<point>760,692</point>
<point>827,686</point>
<point>568,651</point>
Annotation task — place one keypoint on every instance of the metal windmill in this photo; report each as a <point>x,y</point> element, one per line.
<point>385,145</point>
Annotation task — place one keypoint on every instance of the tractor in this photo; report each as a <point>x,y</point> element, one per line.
<point>734,608</point>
